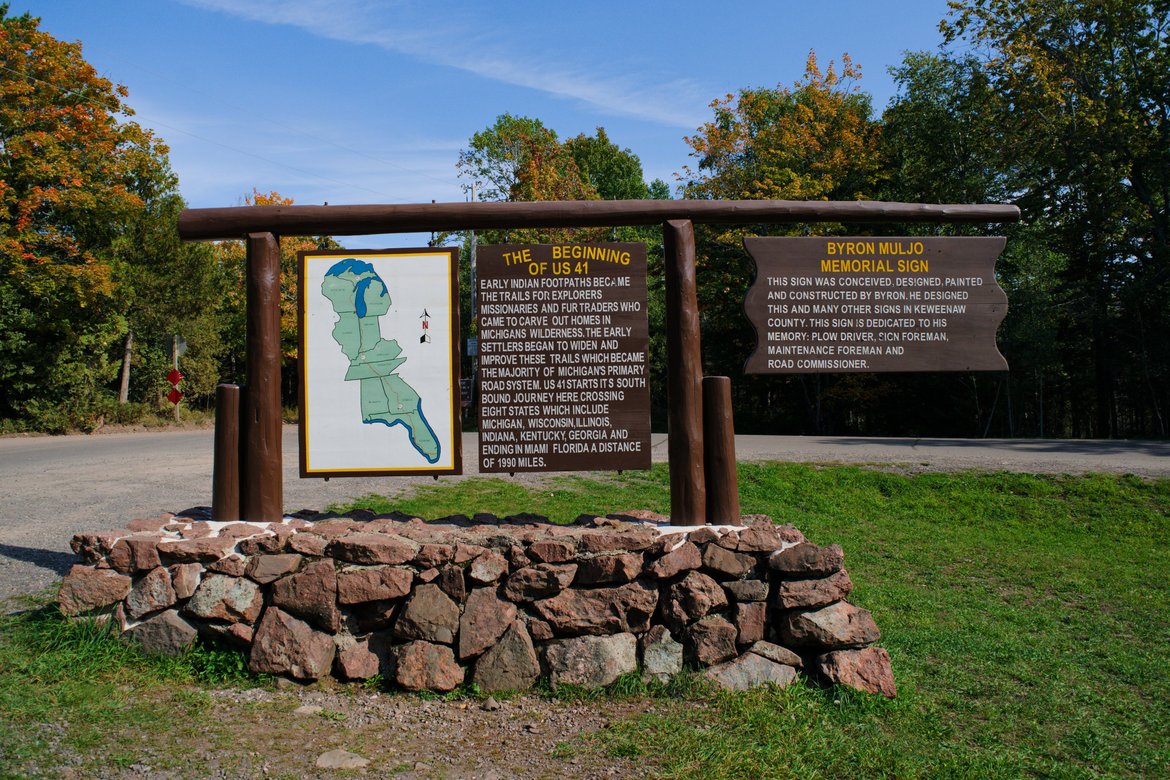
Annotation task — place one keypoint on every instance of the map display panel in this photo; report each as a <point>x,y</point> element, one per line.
<point>379,362</point>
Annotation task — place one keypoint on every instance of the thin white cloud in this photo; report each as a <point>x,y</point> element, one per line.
<point>675,103</point>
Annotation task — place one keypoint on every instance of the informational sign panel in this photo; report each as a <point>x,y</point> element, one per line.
<point>839,305</point>
<point>379,362</point>
<point>563,357</point>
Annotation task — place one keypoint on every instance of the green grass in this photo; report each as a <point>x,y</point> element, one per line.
<point>1028,619</point>
<point>71,689</point>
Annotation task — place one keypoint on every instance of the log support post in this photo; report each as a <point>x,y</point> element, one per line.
<point>263,488</point>
<point>719,452</point>
<point>684,371</point>
<point>225,475</point>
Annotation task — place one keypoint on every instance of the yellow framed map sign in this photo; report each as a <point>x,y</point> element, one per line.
<point>379,362</point>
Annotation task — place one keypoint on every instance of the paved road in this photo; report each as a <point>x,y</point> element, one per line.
<point>54,487</point>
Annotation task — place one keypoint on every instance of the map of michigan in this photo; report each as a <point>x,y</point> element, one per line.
<point>360,298</point>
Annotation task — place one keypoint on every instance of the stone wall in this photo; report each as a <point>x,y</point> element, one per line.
<point>496,602</point>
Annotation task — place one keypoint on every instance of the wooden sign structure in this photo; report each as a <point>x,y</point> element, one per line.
<point>251,487</point>
<point>843,305</point>
<point>379,362</point>
<point>563,357</point>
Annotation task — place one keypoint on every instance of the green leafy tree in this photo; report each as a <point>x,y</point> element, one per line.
<point>814,140</point>
<point>1085,112</point>
<point>74,172</point>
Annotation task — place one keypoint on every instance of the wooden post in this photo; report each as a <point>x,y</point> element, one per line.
<point>263,497</point>
<point>684,377</point>
<point>719,452</point>
<point>225,475</point>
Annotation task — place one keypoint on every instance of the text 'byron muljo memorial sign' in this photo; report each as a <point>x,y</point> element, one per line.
<point>563,365</point>
<point>875,304</point>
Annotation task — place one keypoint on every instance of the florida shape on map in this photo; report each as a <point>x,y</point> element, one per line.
<point>360,298</point>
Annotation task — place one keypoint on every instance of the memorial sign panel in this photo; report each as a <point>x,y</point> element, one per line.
<point>379,362</point>
<point>563,357</point>
<point>838,305</point>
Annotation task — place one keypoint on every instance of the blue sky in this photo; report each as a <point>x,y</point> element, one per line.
<point>370,101</point>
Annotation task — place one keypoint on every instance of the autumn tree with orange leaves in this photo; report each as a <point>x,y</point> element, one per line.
<point>815,140</point>
<point>80,184</point>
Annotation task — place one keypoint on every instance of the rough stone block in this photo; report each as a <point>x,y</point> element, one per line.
<point>591,661</point>
<point>85,588</point>
<point>231,599</point>
<point>428,615</point>
<point>311,594</point>
<point>806,560</point>
<point>485,619</point>
<point>422,666</point>
<point>662,656</point>
<point>600,610</point>
<point>750,671</point>
<point>710,640</point>
<point>164,634</point>
<point>866,670</point>
<point>151,593</point>
<point>796,594</point>
<point>837,626</point>
<point>375,583</point>
<point>284,644</point>
<point>508,665</point>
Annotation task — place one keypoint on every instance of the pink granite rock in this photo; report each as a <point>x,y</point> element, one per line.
<point>185,578</point>
<point>684,558</point>
<point>692,598</point>
<point>750,618</point>
<point>725,563</point>
<point>866,670</point>
<point>284,644</point>
<point>540,581</point>
<point>268,568</point>
<point>204,549</point>
<point>807,560</point>
<point>485,619</point>
<point>310,594</point>
<point>135,554</point>
<point>607,569</point>
<point>600,611</point>
<point>710,640</point>
<point>552,551</point>
<point>85,588</point>
<point>422,666</point>
<point>372,548</point>
<point>793,594</point>
<point>374,583</point>
<point>151,593</point>
<point>487,568</point>
<point>837,626</point>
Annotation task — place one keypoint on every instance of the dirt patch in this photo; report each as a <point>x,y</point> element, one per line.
<point>262,733</point>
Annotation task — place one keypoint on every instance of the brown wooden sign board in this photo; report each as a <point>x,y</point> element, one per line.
<point>842,305</point>
<point>563,357</point>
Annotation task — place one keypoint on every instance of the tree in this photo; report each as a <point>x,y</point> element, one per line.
<point>231,260</point>
<point>815,140</point>
<point>615,173</point>
<point>1085,108</point>
<point>75,171</point>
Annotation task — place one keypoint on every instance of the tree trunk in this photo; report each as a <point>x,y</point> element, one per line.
<point>124,391</point>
